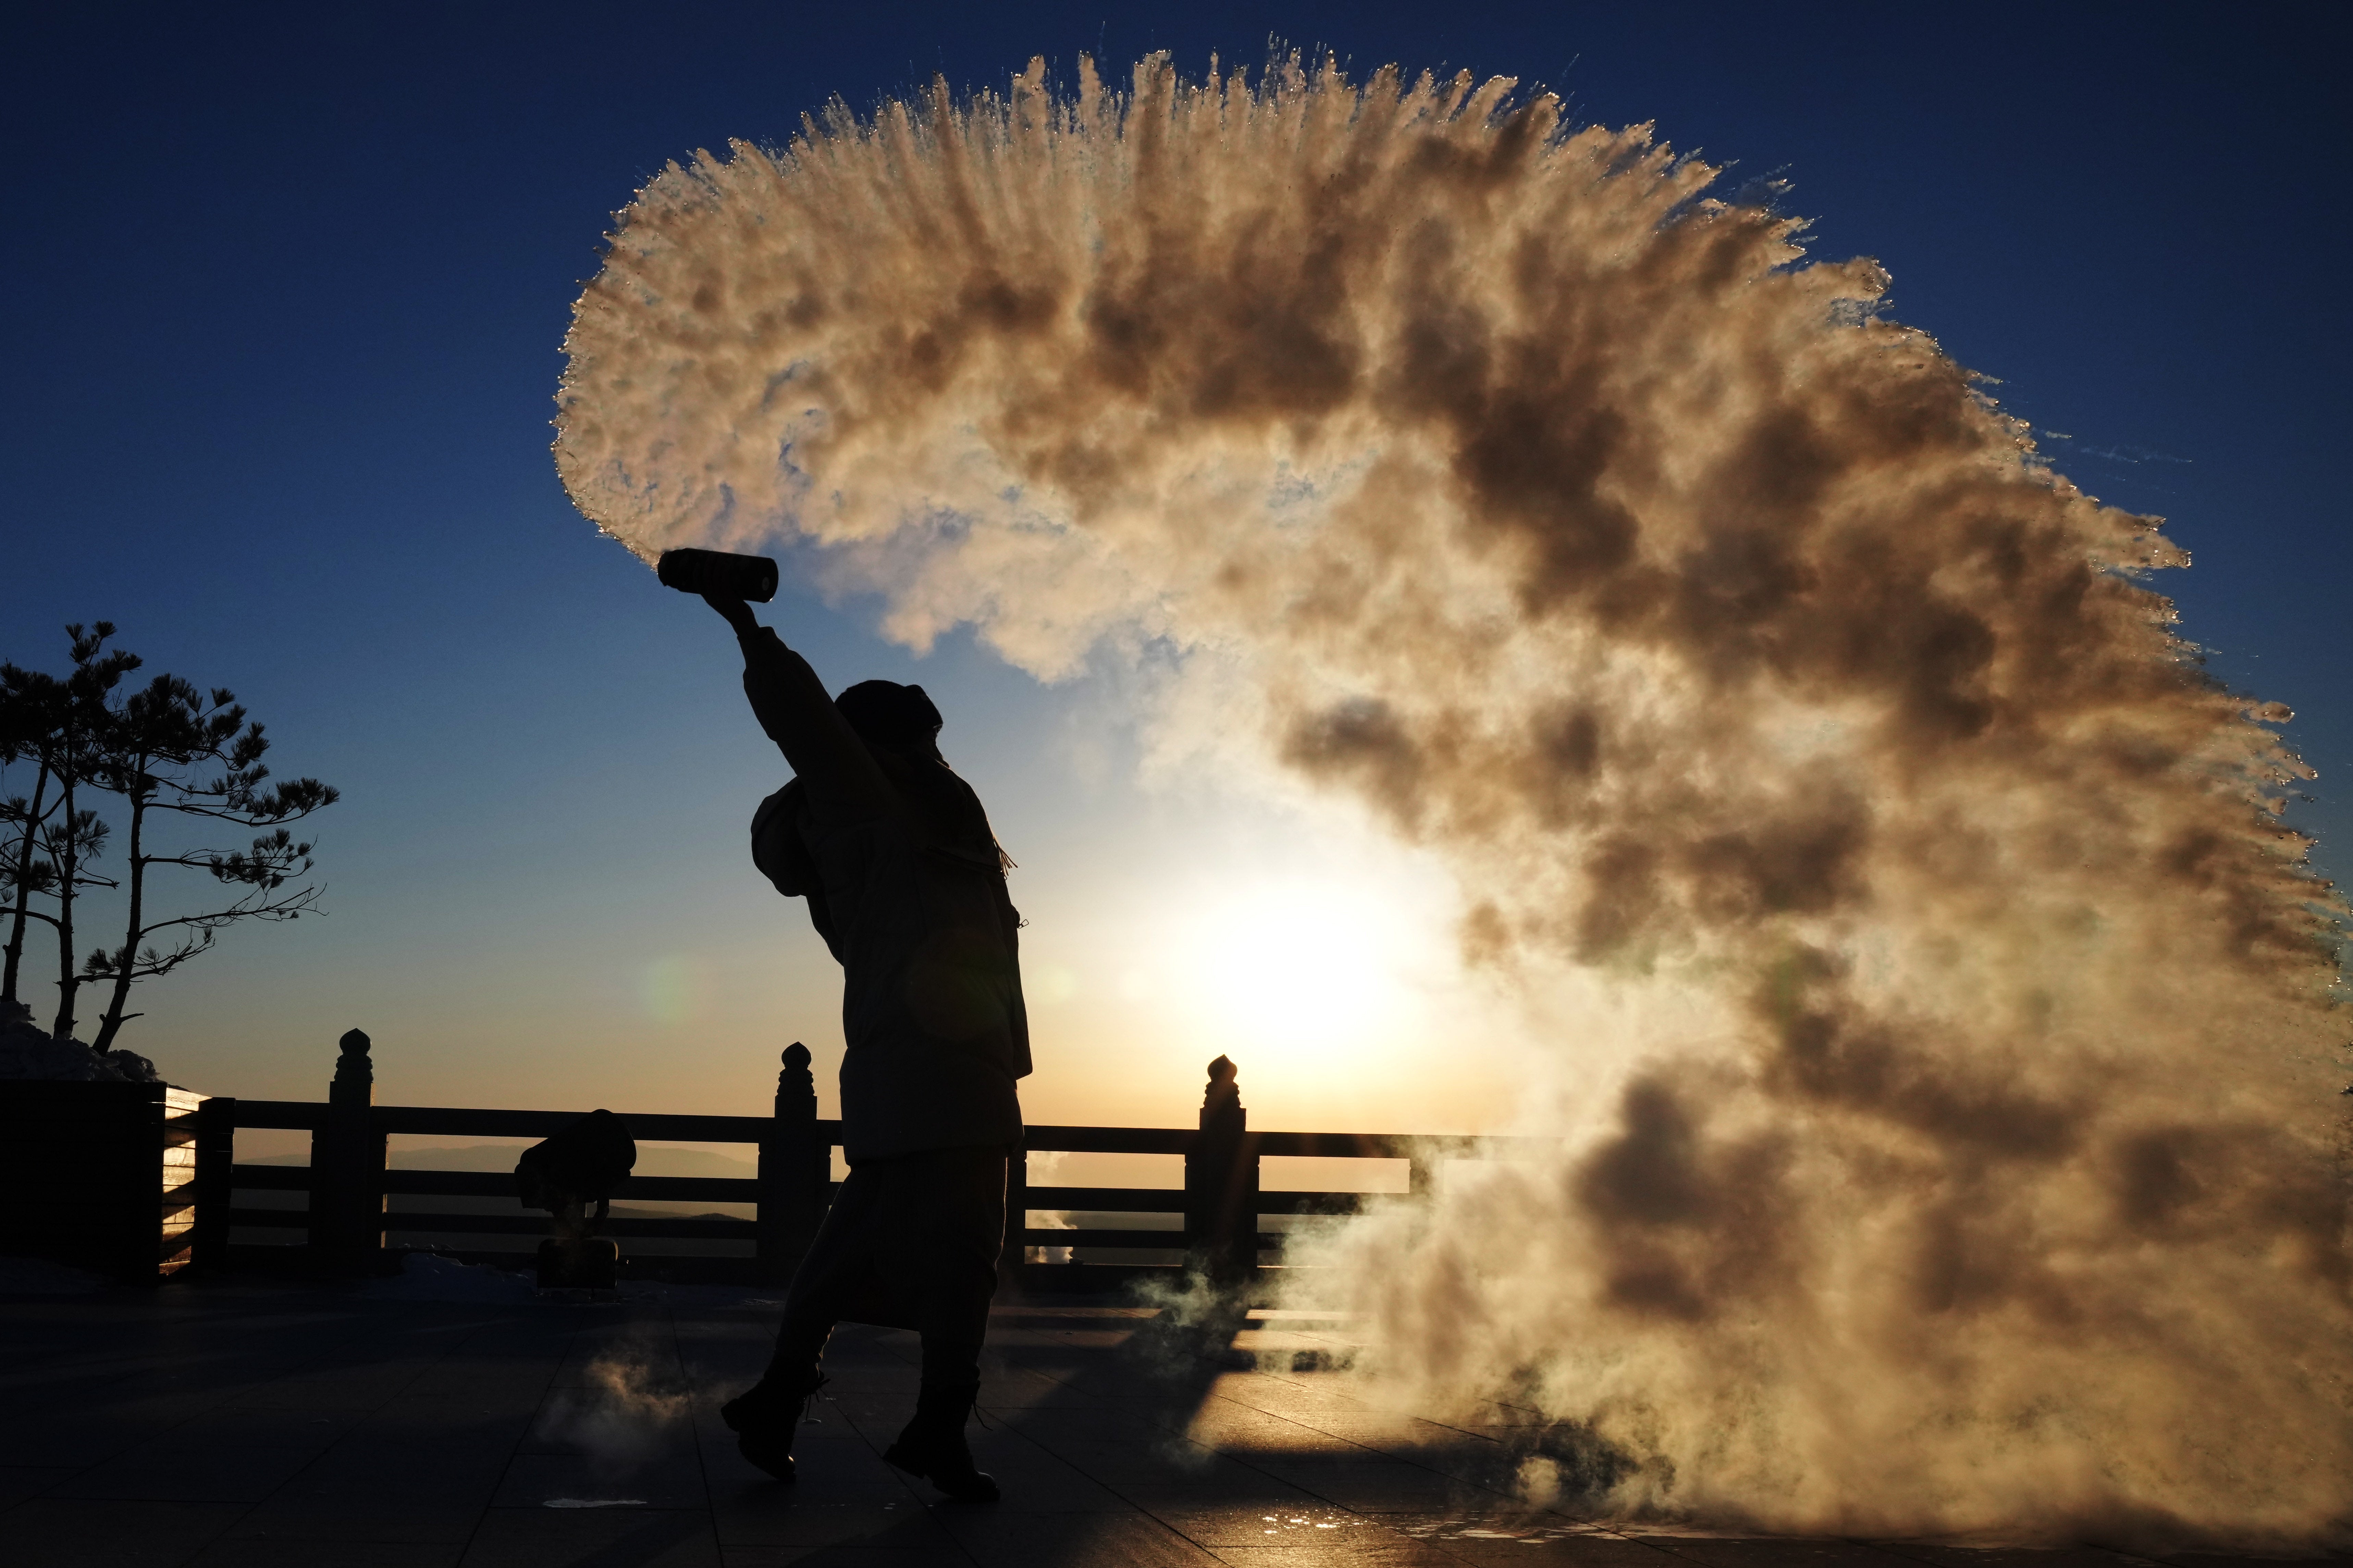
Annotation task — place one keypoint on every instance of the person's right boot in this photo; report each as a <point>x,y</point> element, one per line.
<point>933,1445</point>
<point>765,1416</point>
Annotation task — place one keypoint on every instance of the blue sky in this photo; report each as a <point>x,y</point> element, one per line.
<point>289,290</point>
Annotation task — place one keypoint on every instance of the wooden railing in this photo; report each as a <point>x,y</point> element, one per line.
<point>346,1221</point>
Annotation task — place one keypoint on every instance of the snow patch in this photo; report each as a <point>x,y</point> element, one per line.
<point>38,1277</point>
<point>425,1278</point>
<point>29,1051</point>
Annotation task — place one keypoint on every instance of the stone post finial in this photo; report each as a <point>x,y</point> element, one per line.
<point>355,1074</point>
<point>1222,1090</point>
<point>1222,1101</point>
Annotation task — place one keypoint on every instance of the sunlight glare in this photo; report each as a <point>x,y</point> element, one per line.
<point>1298,963</point>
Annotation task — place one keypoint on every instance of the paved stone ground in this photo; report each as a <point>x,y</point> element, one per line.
<point>255,1425</point>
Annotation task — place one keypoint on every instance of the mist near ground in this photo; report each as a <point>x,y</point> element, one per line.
<point>1940,1024</point>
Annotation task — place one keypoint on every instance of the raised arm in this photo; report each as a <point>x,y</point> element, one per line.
<point>792,706</point>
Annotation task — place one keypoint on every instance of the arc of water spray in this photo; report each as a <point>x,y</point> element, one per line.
<point>1957,1149</point>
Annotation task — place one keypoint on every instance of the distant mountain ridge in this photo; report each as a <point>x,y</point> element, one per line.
<point>654,1160</point>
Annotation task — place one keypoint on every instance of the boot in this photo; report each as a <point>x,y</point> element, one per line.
<point>765,1416</point>
<point>932,1446</point>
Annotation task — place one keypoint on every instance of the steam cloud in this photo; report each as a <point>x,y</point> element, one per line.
<point>619,1417</point>
<point>1962,1157</point>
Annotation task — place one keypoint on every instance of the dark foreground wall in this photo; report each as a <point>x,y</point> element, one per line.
<point>98,1175</point>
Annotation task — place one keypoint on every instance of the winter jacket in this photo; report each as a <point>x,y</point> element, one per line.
<point>905,882</point>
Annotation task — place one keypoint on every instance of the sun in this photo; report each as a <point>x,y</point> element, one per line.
<point>1298,964</point>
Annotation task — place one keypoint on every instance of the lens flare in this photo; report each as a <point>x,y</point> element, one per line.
<point>1960,1152</point>
<point>673,988</point>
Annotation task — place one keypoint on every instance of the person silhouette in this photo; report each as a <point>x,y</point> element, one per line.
<point>905,882</point>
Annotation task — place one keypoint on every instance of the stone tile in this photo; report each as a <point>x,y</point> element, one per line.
<point>1035,1388</point>
<point>360,1493</point>
<point>529,1343</point>
<point>166,1471</point>
<point>478,1367</point>
<point>1390,1553</point>
<point>1727,1552</point>
<point>1605,1550</point>
<point>58,1532</point>
<point>39,1438</point>
<point>20,1481</point>
<point>1485,1534</point>
<point>1224,1424</point>
<point>1065,1390</point>
<point>250,1426</point>
<point>840,1424</point>
<point>501,1383</point>
<point>323,1396</point>
<point>883,1413</point>
<point>438,1425</point>
<point>1394,1433</point>
<point>1035,1479</point>
<point>250,1553</point>
<point>620,1434</point>
<point>1170,1462</point>
<point>856,1374</point>
<point>947,1554</point>
<point>362,1467</point>
<point>1264,1392</point>
<point>1183,1506</point>
<point>1949,1556</point>
<point>722,1359</point>
<point>996,1538</point>
<point>321,1390</point>
<point>655,1360</point>
<point>402,1520</point>
<point>1368,1484</point>
<point>780,1518</point>
<point>673,1481</point>
<point>400,1424</point>
<point>1586,1550</point>
<point>837,1469</point>
<point>593,1538</point>
<point>1090,1436</point>
<point>1302,1522</point>
<point>1089,1424</point>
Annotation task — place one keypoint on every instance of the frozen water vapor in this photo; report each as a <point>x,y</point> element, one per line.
<point>1963,1157</point>
<point>619,1415</point>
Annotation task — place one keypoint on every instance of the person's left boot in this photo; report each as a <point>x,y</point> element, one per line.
<point>765,1417</point>
<point>932,1446</point>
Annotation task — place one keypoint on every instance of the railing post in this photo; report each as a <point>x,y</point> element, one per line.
<point>347,1167</point>
<point>1221,1184</point>
<point>216,1157</point>
<point>1421,1176</point>
<point>795,1169</point>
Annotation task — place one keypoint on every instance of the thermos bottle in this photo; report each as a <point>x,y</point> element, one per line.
<point>751,578</point>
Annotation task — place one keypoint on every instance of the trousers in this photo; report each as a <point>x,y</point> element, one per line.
<point>911,1242</point>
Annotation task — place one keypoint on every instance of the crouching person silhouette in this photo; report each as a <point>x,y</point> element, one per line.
<point>905,882</point>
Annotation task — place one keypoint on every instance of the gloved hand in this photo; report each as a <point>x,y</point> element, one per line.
<point>734,612</point>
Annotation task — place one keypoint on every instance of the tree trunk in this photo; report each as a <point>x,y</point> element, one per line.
<point>110,1023</point>
<point>15,949</point>
<point>69,862</point>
